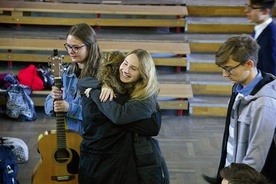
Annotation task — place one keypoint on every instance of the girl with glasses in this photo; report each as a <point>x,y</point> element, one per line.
<point>85,53</point>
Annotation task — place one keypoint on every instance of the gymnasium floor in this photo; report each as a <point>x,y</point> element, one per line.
<point>190,145</point>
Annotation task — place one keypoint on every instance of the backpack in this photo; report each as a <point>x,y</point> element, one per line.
<point>8,166</point>
<point>46,76</point>
<point>20,148</point>
<point>6,79</point>
<point>19,104</point>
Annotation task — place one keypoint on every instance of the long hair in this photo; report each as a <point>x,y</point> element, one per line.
<point>109,71</point>
<point>87,35</point>
<point>147,85</point>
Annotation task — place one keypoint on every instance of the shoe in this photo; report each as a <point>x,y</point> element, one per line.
<point>210,179</point>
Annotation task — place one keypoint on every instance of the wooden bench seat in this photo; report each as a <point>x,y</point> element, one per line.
<point>209,106</point>
<point>207,10</point>
<point>226,25</point>
<point>218,10</point>
<point>150,2</point>
<point>227,19</point>
<point>178,94</point>
<point>30,48</point>
<point>49,45</point>
<point>9,46</point>
<point>43,58</point>
<point>175,94</point>
<point>20,12</point>
<point>130,2</point>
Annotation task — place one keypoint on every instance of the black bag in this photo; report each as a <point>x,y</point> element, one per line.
<point>8,166</point>
<point>46,76</point>
<point>19,104</point>
<point>151,165</point>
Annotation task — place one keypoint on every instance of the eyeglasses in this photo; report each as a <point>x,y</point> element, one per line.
<point>74,48</point>
<point>250,7</point>
<point>228,71</point>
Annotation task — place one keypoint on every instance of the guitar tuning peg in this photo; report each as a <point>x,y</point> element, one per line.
<point>62,56</point>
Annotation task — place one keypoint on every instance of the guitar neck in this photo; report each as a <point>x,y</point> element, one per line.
<point>56,67</point>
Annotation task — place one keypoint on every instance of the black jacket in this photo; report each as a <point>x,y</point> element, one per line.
<point>107,155</point>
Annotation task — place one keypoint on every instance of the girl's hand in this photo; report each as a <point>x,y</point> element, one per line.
<point>86,92</point>
<point>56,93</point>
<point>61,106</point>
<point>106,93</point>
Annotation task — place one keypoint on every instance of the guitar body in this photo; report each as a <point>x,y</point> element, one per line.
<point>57,165</point>
<point>60,148</point>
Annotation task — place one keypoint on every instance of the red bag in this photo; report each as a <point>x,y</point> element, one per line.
<point>29,77</point>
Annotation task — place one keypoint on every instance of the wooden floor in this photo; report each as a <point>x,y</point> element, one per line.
<point>190,145</point>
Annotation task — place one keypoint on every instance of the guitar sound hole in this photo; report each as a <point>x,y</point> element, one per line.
<point>62,155</point>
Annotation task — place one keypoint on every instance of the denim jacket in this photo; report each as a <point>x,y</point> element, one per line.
<point>70,94</point>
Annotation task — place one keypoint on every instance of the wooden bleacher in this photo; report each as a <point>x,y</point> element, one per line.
<point>43,58</point>
<point>11,46</point>
<point>46,13</point>
<point>129,2</point>
<point>176,96</point>
<point>24,45</point>
<point>179,92</point>
<point>209,24</point>
<point>47,45</point>
<point>196,31</point>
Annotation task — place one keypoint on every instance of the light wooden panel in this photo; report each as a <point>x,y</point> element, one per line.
<point>178,104</point>
<point>214,10</point>
<point>204,67</point>
<point>209,111</point>
<point>93,21</point>
<point>23,6</point>
<point>211,89</point>
<point>220,28</point>
<point>107,46</point>
<point>181,61</point>
<point>205,47</point>
<point>175,90</point>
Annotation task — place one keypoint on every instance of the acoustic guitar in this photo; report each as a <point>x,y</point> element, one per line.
<point>59,148</point>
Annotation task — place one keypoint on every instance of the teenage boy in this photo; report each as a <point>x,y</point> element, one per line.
<point>251,117</point>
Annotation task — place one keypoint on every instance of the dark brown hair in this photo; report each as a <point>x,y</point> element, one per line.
<point>87,35</point>
<point>264,4</point>
<point>109,71</point>
<point>239,48</point>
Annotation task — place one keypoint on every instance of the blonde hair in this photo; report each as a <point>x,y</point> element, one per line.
<point>147,85</point>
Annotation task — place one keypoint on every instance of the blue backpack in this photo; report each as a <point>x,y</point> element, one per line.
<point>8,165</point>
